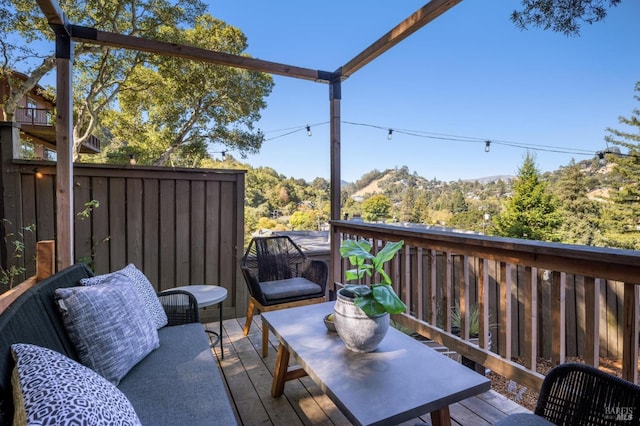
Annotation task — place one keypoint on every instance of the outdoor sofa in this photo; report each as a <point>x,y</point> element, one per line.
<point>171,379</point>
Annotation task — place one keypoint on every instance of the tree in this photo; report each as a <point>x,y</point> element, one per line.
<point>531,211</point>
<point>622,216</point>
<point>376,208</point>
<point>213,104</point>
<point>581,215</point>
<point>304,220</point>
<point>561,15</point>
<point>99,72</point>
<point>140,89</point>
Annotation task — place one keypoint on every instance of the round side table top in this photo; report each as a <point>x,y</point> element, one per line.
<point>206,295</point>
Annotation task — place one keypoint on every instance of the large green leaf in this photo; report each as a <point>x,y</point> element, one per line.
<point>370,306</point>
<point>385,296</point>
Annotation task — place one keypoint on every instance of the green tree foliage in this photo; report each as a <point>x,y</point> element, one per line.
<point>376,208</point>
<point>622,214</point>
<point>304,220</point>
<point>99,72</point>
<point>581,216</point>
<point>563,16</point>
<point>531,211</point>
<point>213,104</point>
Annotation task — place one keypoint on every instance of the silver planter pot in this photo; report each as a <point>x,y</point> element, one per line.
<point>358,331</point>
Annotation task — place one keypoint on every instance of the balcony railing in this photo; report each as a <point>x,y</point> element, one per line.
<point>506,278</point>
<point>46,117</point>
<point>35,116</point>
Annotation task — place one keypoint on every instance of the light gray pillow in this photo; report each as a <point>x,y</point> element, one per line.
<point>108,325</point>
<point>145,290</point>
<point>49,388</point>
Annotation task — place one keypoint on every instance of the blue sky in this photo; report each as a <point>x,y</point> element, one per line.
<point>469,73</point>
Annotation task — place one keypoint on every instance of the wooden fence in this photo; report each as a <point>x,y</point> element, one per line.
<point>179,226</point>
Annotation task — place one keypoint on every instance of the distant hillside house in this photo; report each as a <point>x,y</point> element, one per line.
<point>36,115</point>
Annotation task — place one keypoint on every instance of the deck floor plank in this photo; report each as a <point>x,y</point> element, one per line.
<point>248,377</point>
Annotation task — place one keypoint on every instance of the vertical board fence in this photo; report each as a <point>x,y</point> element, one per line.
<point>179,226</point>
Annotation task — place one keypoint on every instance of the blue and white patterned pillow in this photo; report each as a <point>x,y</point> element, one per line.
<point>108,325</point>
<point>51,389</point>
<point>145,290</point>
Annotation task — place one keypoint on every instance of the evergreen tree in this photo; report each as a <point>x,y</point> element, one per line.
<point>581,215</point>
<point>621,218</point>
<point>531,211</point>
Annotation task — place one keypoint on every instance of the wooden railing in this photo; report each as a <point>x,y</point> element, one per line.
<point>35,116</point>
<point>425,277</point>
<point>45,117</point>
<point>45,266</point>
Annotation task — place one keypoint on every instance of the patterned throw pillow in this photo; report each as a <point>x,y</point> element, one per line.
<point>145,291</point>
<point>108,325</point>
<point>51,389</point>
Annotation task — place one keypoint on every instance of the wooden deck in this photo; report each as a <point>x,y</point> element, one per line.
<point>248,379</point>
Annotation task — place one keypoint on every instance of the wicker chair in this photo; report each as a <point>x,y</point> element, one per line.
<point>579,394</point>
<point>180,306</point>
<point>279,275</point>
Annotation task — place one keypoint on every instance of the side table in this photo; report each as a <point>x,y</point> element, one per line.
<point>208,295</point>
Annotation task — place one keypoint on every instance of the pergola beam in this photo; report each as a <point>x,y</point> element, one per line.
<point>413,23</point>
<point>103,38</point>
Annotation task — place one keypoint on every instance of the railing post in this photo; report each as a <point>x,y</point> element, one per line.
<point>505,309</point>
<point>530,318</point>
<point>463,297</point>
<point>630,333</point>
<point>558,316</point>
<point>592,321</point>
<point>447,296</point>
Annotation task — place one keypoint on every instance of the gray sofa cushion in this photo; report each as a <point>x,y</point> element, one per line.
<point>182,365</point>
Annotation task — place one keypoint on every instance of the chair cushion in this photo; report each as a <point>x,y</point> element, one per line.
<point>51,389</point>
<point>108,325</point>
<point>523,419</point>
<point>145,290</point>
<point>291,287</point>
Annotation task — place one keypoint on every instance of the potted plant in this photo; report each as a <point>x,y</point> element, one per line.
<point>361,313</point>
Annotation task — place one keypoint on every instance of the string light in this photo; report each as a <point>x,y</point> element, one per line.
<point>308,130</point>
<point>132,160</point>
<point>38,174</point>
<point>442,136</point>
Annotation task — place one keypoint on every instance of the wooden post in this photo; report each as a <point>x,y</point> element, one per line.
<point>334,112</point>
<point>558,317</point>
<point>64,146</point>
<point>45,259</point>
<point>592,321</point>
<point>630,333</point>
<point>505,308</point>
<point>531,318</point>
<point>447,296</point>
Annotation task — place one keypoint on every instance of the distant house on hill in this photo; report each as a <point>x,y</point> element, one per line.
<point>36,115</point>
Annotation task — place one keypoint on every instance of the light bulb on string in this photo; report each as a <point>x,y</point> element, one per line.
<point>308,130</point>
<point>487,146</point>
<point>390,135</point>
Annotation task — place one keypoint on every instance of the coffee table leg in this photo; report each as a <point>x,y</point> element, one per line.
<point>441,417</point>
<point>280,373</point>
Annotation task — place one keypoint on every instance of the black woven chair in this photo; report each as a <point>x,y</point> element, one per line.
<point>582,395</point>
<point>279,275</point>
<point>180,306</point>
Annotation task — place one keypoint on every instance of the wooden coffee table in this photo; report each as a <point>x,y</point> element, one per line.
<point>400,381</point>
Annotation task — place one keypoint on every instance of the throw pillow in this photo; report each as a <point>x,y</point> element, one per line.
<point>145,290</point>
<point>50,388</point>
<point>108,326</point>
